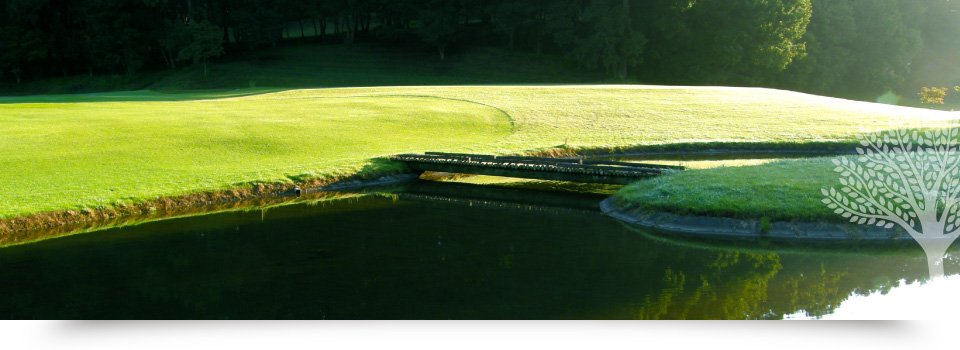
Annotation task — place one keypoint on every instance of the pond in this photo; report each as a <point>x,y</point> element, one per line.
<point>433,251</point>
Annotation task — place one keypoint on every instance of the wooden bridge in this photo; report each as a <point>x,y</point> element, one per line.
<point>562,169</point>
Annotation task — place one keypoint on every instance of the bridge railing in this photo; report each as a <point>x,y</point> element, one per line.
<point>555,160</point>
<point>561,165</point>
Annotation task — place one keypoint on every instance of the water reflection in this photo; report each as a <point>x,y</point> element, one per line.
<point>428,253</point>
<point>933,300</point>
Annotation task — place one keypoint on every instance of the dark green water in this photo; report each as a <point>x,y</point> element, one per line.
<point>425,256</point>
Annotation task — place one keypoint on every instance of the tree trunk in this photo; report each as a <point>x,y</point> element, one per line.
<point>934,243</point>
<point>442,48</point>
<point>935,264</point>
<point>484,16</point>
<point>314,21</point>
<point>623,54</point>
<point>163,53</point>
<point>62,64</point>
<point>540,20</point>
<point>225,23</point>
<point>302,34</point>
<point>351,26</point>
<point>323,28</point>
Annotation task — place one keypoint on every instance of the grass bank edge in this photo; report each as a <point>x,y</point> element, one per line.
<point>35,227</point>
<point>786,190</point>
<point>21,229</point>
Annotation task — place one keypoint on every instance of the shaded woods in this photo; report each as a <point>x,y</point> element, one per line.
<point>837,47</point>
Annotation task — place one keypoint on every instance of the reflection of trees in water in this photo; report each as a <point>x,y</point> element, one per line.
<point>731,286</point>
<point>747,285</point>
<point>816,291</point>
<point>818,284</point>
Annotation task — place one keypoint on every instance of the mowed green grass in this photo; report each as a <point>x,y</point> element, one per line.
<point>617,115</point>
<point>74,155</point>
<point>785,190</point>
<point>70,155</point>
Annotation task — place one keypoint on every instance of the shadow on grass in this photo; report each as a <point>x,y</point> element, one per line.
<point>140,96</point>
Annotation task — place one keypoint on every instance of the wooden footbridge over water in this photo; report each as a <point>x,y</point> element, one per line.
<point>562,169</point>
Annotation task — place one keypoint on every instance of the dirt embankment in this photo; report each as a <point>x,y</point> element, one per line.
<point>40,226</point>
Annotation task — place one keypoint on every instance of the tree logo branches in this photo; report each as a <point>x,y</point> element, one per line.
<point>907,178</point>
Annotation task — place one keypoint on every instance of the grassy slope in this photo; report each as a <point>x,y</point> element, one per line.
<point>785,190</point>
<point>613,115</point>
<point>71,155</point>
<point>67,155</point>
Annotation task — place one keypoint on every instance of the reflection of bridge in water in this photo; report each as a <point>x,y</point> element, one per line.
<point>487,196</point>
<point>562,169</point>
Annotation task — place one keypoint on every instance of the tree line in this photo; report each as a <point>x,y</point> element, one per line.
<point>820,46</point>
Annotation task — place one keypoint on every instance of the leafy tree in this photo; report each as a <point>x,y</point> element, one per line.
<point>862,47</point>
<point>512,16</point>
<point>205,41</point>
<point>665,24</point>
<point>936,62</point>
<point>843,47</point>
<point>22,39</point>
<point>19,47</point>
<point>258,23</point>
<point>745,41</point>
<point>439,26</point>
<point>829,39</point>
<point>605,37</point>
<point>887,42</point>
<point>932,95</point>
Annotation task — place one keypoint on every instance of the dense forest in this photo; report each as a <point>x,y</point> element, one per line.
<point>836,47</point>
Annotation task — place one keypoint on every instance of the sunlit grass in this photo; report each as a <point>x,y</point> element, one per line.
<point>783,190</point>
<point>73,155</point>
<point>120,147</point>
<point>610,115</point>
<point>717,163</point>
